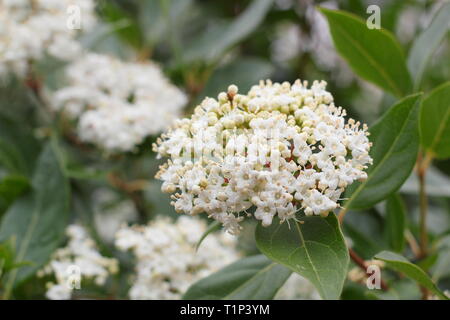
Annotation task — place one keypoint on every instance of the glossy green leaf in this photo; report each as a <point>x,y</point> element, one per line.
<point>37,220</point>
<point>435,122</point>
<point>401,264</point>
<point>373,54</point>
<point>250,278</point>
<point>395,139</point>
<point>395,222</point>
<point>222,36</point>
<point>314,247</point>
<point>426,44</point>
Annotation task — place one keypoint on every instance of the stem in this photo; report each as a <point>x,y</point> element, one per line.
<point>423,164</point>
<point>423,216</point>
<point>363,265</point>
<point>415,248</point>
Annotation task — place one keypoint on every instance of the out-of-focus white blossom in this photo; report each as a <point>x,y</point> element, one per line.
<point>111,212</point>
<point>291,40</point>
<point>166,260</point>
<point>297,288</point>
<point>117,103</point>
<point>280,148</point>
<point>30,29</point>
<point>413,19</point>
<point>79,258</point>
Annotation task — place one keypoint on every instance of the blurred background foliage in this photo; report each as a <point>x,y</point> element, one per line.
<point>203,46</point>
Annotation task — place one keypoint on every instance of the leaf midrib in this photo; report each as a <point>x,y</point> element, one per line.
<point>415,268</point>
<point>308,255</point>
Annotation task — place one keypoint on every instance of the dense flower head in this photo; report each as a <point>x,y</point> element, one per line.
<point>167,262</point>
<point>30,29</point>
<point>280,148</point>
<point>79,258</point>
<point>117,103</point>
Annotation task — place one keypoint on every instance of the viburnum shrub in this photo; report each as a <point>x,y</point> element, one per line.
<point>169,150</point>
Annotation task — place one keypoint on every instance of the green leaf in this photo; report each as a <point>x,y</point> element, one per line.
<point>373,54</point>
<point>395,222</point>
<point>426,44</point>
<point>395,139</point>
<point>250,278</point>
<point>7,259</point>
<point>404,289</point>
<point>314,247</point>
<point>435,122</point>
<point>213,226</point>
<point>37,220</point>
<point>401,264</point>
<point>10,157</point>
<point>244,73</point>
<point>216,40</point>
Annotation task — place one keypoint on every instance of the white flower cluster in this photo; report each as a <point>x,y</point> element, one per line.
<point>167,262</point>
<point>29,29</point>
<point>280,148</point>
<point>79,258</point>
<point>118,103</point>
